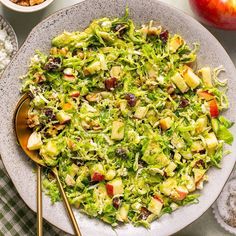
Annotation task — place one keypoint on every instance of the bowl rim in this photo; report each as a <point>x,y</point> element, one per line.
<point>26,9</point>
<point>77,4</point>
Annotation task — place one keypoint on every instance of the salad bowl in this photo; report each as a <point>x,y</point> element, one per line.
<point>77,17</point>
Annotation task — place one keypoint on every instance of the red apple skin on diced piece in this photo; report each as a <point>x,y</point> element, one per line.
<point>114,187</point>
<point>214,111</point>
<point>205,95</point>
<point>96,176</point>
<point>109,188</point>
<point>75,94</point>
<point>158,198</point>
<point>70,78</point>
<point>182,194</point>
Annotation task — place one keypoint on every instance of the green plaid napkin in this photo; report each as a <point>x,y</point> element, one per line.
<point>16,219</point>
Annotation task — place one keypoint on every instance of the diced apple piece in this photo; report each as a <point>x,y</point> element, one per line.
<point>205,73</point>
<point>201,124</point>
<point>170,168</point>
<point>122,214</point>
<point>175,42</point>
<point>115,187</point>
<point>110,174</point>
<point>155,206</point>
<point>179,82</point>
<point>214,111</point>
<point>69,180</point>
<point>93,97</point>
<point>63,117</point>
<point>34,141</point>
<point>211,141</point>
<point>69,78</point>
<point>97,172</point>
<point>167,186</point>
<point>73,170</point>
<point>198,174</point>
<point>190,78</point>
<point>115,71</point>
<point>118,130</point>
<point>140,112</point>
<point>197,146</point>
<point>180,193</point>
<point>51,149</point>
<point>74,94</point>
<point>166,123</point>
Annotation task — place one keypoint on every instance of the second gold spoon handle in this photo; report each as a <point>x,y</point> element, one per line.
<point>67,204</point>
<point>39,203</point>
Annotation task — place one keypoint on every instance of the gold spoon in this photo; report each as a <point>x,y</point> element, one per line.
<point>23,133</point>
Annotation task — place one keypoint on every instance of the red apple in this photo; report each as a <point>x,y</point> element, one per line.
<point>217,13</point>
<point>115,187</point>
<point>96,176</point>
<point>75,94</point>
<point>213,108</point>
<point>205,95</point>
<point>182,193</point>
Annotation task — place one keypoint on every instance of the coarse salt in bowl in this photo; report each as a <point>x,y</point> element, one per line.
<point>8,43</point>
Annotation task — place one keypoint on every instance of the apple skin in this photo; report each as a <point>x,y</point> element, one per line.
<point>96,176</point>
<point>216,13</point>
<point>109,188</point>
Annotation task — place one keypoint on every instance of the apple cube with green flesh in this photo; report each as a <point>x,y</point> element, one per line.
<point>169,170</point>
<point>178,80</point>
<point>93,68</point>
<point>115,187</point>
<point>205,74</point>
<point>69,180</point>
<point>34,141</point>
<point>201,124</point>
<point>73,170</point>
<point>97,172</point>
<point>198,174</point>
<point>175,42</point>
<point>51,149</point>
<point>110,174</point>
<point>166,123</point>
<point>63,117</point>
<point>115,71</point>
<point>167,186</point>
<point>155,206</point>
<point>122,214</point>
<point>190,78</point>
<point>140,112</point>
<point>211,141</point>
<point>197,146</point>
<point>118,130</point>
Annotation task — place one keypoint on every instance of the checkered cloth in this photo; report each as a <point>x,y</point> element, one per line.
<point>16,219</point>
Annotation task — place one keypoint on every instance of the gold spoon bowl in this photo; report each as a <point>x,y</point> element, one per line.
<point>23,133</point>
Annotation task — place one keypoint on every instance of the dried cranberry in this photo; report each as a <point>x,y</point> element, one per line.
<point>116,202</point>
<point>53,64</point>
<point>144,213</point>
<point>164,36</point>
<point>183,103</point>
<point>131,99</point>
<point>121,152</point>
<point>111,83</point>
<point>121,29</point>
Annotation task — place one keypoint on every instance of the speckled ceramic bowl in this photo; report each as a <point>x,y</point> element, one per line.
<point>78,17</point>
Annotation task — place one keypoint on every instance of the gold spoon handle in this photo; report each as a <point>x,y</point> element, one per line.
<point>39,203</point>
<point>67,204</point>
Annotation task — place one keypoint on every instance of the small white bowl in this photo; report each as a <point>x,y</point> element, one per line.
<point>26,9</point>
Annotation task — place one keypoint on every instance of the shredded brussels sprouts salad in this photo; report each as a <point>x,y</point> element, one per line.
<point>128,120</point>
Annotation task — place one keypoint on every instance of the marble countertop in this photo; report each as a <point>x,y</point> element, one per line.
<point>22,23</point>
